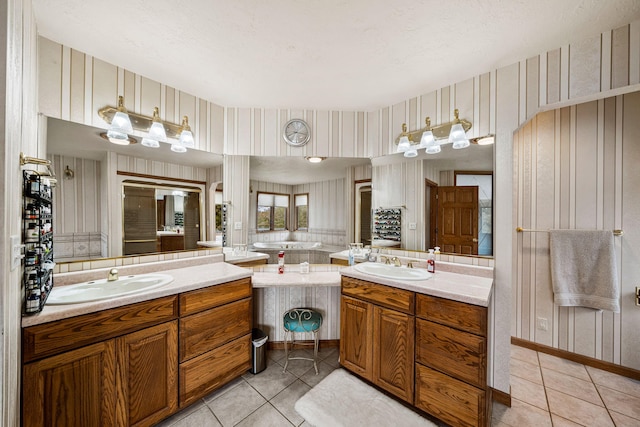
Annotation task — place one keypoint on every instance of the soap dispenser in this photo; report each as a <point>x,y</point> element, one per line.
<point>431,262</point>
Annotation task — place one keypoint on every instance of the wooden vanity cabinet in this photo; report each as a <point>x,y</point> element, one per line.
<point>101,373</point>
<point>451,361</point>
<point>377,335</point>
<point>215,337</point>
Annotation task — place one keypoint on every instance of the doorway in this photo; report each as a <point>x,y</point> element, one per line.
<point>363,212</point>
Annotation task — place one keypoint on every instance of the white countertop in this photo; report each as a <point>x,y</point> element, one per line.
<point>296,279</point>
<point>210,243</point>
<point>237,259</point>
<point>465,288</point>
<point>184,279</point>
<point>169,233</point>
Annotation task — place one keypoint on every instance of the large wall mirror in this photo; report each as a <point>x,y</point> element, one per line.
<point>103,208</point>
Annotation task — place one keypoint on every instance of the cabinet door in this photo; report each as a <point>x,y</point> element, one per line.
<point>393,352</point>
<point>356,336</point>
<point>147,375</point>
<point>76,388</point>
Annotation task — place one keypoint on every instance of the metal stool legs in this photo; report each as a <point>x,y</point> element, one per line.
<point>301,320</point>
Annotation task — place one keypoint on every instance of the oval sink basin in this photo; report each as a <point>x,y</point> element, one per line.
<point>392,272</point>
<point>96,290</point>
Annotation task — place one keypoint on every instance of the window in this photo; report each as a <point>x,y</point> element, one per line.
<point>272,212</point>
<point>301,206</point>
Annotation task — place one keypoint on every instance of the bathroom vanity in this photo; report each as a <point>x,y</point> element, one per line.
<point>136,360</point>
<point>423,341</point>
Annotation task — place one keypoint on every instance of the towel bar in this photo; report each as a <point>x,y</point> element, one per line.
<point>520,230</point>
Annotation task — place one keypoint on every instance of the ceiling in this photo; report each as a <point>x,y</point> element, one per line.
<point>325,54</point>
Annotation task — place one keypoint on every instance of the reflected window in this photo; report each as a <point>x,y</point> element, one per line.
<point>272,212</point>
<point>301,206</point>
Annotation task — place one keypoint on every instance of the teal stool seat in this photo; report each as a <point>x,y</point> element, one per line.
<point>301,320</point>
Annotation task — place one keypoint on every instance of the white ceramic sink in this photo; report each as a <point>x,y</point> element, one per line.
<point>392,272</point>
<point>96,290</point>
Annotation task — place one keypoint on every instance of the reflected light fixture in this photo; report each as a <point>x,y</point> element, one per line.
<point>120,128</point>
<point>314,159</point>
<point>485,140</point>
<point>404,144</point>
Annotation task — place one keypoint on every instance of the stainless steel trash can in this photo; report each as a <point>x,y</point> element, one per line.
<point>258,341</point>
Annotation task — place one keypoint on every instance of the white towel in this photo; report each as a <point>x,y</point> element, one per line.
<point>583,269</point>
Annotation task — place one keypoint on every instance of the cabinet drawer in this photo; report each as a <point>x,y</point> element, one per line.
<point>451,400</point>
<point>468,317</point>
<point>458,353</point>
<point>206,330</point>
<point>213,296</point>
<point>62,335</point>
<point>386,296</point>
<point>205,373</point>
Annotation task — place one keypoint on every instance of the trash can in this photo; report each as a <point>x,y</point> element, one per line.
<point>258,341</point>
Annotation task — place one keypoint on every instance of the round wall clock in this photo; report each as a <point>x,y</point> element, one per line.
<point>296,132</point>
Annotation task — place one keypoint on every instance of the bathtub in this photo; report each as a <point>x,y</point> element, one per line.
<point>287,245</point>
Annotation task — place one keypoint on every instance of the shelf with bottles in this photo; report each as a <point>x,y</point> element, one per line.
<point>387,224</point>
<point>37,236</point>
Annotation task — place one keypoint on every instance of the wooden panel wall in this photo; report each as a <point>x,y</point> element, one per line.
<point>576,167</point>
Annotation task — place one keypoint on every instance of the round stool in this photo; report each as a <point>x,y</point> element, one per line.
<point>301,320</point>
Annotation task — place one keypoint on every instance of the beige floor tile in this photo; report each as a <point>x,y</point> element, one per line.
<point>271,381</point>
<point>615,381</point>
<point>310,377</point>
<point>199,404</point>
<point>287,398</point>
<point>572,386</point>
<point>558,421</point>
<point>529,392</point>
<point>275,355</point>
<point>265,416</point>
<point>622,403</point>
<point>520,414</point>
<point>624,421</point>
<point>578,410</point>
<point>236,404</point>
<point>565,366</point>
<point>203,417</point>
<point>524,354</point>
<point>215,394</point>
<point>525,370</point>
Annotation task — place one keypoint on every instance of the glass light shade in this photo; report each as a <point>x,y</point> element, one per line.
<point>118,138</point>
<point>178,148</point>
<point>186,139</point>
<point>411,153</point>
<point>458,137</point>
<point>433,148</point>
<point>157,132</point>
<point>151,143</point>
<point>315,159</point>
<point>427,138</point>
<point>403,144</point>
<point>486,140</point>
<point>121,123</point>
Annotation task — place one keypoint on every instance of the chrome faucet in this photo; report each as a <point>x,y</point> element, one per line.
<point>113,275</point>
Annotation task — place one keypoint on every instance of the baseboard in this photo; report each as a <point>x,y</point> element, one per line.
<point>578,358</point>
<point>279,345</point>
<point>501,397</point>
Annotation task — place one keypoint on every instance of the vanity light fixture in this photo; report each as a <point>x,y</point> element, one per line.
<point>431,137</point>
<point>186,137</point>
<point>157,134</point>
<point>484,140</point>
<point>120,128</point>
<point>314,159</point>
<point>68,173</point>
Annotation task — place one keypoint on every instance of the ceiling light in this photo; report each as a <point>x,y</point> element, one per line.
<point>314,159</point>
<point>120,124</point>
<point>186,137</point>
<point>485,140</point>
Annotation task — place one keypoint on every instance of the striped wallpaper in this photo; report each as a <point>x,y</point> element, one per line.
<point>74,85</point>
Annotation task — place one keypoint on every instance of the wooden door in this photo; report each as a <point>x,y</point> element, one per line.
<point>139,222</point>
<point>147,375</point>
<point>76,388</point>
<point>393,352</point>
<point>457,220</point>
<point>356,336</point>
<point>191,220</point>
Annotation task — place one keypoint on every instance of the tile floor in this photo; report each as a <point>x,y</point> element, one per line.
<point>545,391</point>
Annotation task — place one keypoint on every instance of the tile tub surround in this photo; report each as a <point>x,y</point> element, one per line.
<point>185,278</point>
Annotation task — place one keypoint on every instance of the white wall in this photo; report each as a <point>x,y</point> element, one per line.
<point>576,167</point>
